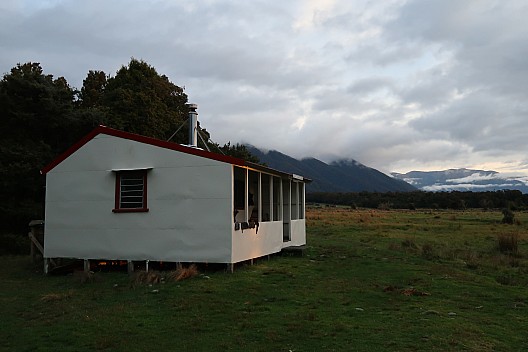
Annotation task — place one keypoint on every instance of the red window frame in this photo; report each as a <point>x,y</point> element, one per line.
<point>119,186</point>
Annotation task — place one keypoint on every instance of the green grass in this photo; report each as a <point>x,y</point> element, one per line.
<point>369,281</point>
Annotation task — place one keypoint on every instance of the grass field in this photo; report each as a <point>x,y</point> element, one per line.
<point>370,280</point>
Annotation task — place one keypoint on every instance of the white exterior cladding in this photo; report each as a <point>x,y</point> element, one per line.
<point>190,202</point>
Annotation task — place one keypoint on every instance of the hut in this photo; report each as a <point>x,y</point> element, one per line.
<point>116,195</point>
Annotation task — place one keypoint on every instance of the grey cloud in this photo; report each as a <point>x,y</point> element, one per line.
<point>369,85</point>
<point>486,123</point>
<point>384,54</point>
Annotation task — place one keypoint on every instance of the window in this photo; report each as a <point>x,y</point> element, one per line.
<point>253,195</point>
<point>266,197</point>
<point>295,200</point>
<point>239,198</point>
<point>131,191</point>
<point>286,212</point>
<point>277,199</point>
<point>301,200</point>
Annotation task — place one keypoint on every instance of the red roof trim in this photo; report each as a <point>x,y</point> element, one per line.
<point>142,139</point>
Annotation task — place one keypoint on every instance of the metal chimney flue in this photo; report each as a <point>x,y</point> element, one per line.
<point>193,125</point>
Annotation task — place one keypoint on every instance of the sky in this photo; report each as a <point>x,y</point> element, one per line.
<point>397,85</point>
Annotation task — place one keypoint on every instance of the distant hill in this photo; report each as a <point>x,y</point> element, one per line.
<point>461,180</point>
<point>339,176</point>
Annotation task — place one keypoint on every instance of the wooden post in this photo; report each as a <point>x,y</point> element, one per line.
<point>230,267</point>
<point>87,265</point>
<point>31,248</point>
<point>36,236</point>
<point>46,266</point>
<point>130,266</point>
<point>36,243</point>
<point>146,265</point>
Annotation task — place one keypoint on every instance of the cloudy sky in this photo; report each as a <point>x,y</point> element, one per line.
<point>398,85</point>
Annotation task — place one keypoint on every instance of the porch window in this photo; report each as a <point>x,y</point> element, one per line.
<point>131,191</point>
<point>301,200</point>
<point>277,198</point>
<point>239,194</point>
<point>294,200</point>
<point>253,195</point>
<point>266,197</point>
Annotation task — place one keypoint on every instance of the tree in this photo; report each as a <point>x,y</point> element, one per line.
<point>89,104</point>
<point>93,89</point>
<point>239,151</point>
<point>38,122</point>
<point>139,100</point>
<point>35,106</point>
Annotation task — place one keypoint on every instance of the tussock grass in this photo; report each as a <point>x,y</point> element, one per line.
<point>428,251</point>
<point>182,273</point>
<point>53,297</point>
<point>83,277</point>
<point>408,243</point>
<point>508,243</point>
<point>508,216</point>
<point>143,277</point>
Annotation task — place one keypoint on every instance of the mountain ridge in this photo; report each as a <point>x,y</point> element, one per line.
<point>461,179</point>
<point>346,175</point>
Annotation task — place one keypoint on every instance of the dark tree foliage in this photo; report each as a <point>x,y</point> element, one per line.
<point>511,199</point>
<point>139,100</point>
<point>93,89</point>
<point>35,106</point>
<point>37,121</point>
<point>239,151</point>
